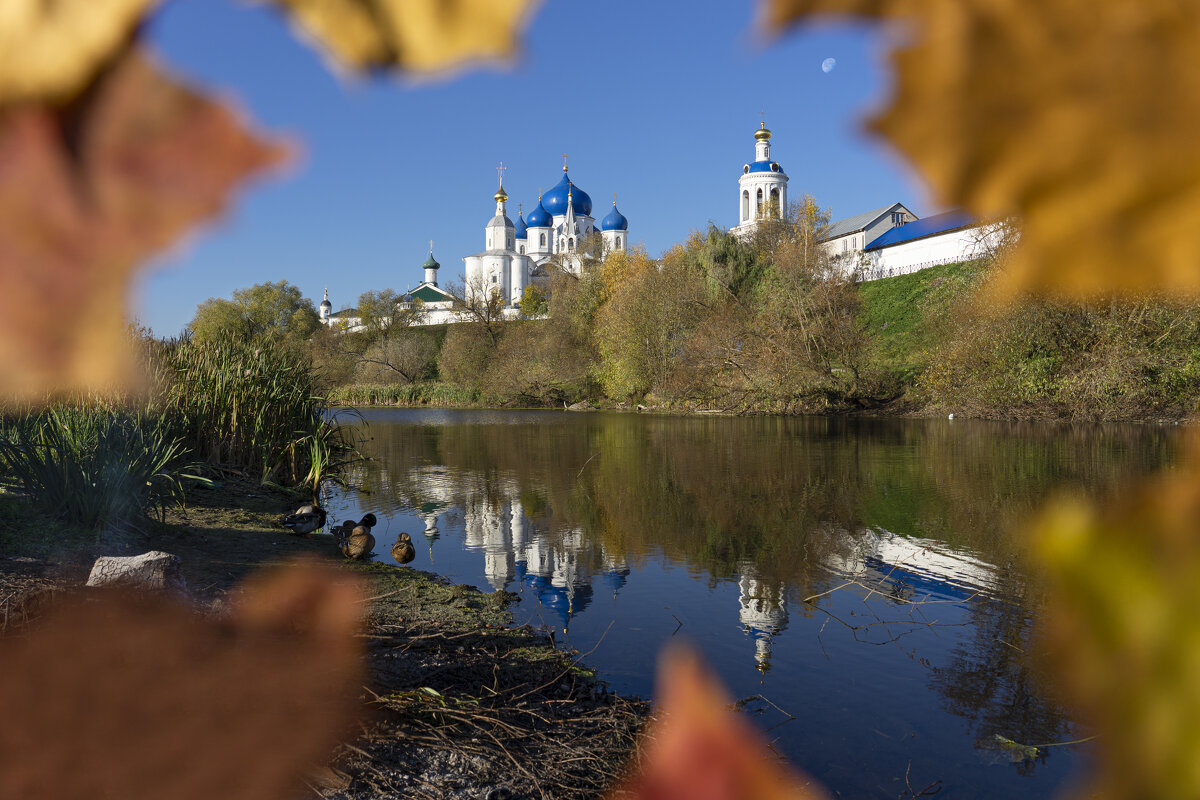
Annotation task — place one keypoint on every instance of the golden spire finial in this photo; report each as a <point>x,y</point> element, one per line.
<point>564,162</point>
<point>614,199</point>
<point>431,247</point>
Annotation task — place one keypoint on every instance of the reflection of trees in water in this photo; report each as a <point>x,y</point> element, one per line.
<point>720,493</point>
<point>990,682</point>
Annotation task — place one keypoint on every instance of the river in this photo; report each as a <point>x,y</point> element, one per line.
<point>859,584</point>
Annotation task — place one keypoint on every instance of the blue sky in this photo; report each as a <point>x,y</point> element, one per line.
<point>655,101</point>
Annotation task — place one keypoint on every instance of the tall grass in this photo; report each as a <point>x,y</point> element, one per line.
<point>249,408</point>
<point>92,463</point>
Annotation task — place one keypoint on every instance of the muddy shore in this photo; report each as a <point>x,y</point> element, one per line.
<point>458,703</point>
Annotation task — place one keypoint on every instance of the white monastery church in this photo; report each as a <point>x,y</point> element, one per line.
<point>881,243</point>
<point>560,229</point>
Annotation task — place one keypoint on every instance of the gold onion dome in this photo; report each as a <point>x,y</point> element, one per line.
<point>500,195</point>
<point>762,134</point>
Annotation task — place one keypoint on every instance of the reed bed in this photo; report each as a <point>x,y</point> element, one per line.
<point>251,409</point>
<point>441,395</point>
<point>96,461</point>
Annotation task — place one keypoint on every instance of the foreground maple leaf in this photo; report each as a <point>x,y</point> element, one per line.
<point>418,35</point>
<point>86,193</point>
<point>133,697</point>
<point>698,749</point>
<point>1077,118</point>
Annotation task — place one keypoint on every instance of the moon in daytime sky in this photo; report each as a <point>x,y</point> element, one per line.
<point>828,64</point>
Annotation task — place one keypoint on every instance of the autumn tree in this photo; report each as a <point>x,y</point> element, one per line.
<point>405,356</point>
<point>271,314</point>
<point>648,310</point>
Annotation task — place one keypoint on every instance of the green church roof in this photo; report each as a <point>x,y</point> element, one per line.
<point>431,294</point>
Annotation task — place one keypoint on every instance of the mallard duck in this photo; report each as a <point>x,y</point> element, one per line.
<point>304,519</point>
<point>356,541</point>
<point>403,550</point>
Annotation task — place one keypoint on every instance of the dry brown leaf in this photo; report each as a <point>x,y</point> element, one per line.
<point>1077,118</point>
<point>1123,621</point>
<point>140,697</point>
<point>699,749</point>
<point>88,192</point>
<point>418,35</point>
<point>49,49</point>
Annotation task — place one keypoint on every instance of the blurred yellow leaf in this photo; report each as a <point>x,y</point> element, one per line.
<point>86,193</point>
<point>698,749</point>
<point>1077,118</point>
<point>50,48</point>
<point>1122,617</point>
<point>418,35</point>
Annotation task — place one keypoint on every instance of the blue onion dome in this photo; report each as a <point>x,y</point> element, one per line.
<point>763,166</point>
<point>615,221</point>
<point>522,227</point>
<point>539,217</point>
<point>555,200</point>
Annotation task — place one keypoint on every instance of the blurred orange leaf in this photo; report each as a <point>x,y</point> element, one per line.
<point>418,35</point>
<point>1123,623</point>
<point>1077,118</point>
<point>699,749</point>
<point>86,193</point>
<point>50,48</point>
<point>140,697</point>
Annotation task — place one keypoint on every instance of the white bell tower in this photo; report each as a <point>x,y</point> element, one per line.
<point>762,187</point>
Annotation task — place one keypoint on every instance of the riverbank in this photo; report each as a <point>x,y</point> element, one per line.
<point>457,703</point>
<point>927,344</point>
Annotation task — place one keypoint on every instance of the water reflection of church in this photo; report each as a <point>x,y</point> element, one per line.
<point>560,568</point>
<point>564,568</point>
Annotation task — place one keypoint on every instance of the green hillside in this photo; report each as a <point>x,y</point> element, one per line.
<point>904,315</point>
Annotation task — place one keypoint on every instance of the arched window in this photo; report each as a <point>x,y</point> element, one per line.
<point>758,205</point>
<point>618,242</point>
<point>522,249</point>
<point>571,243</point>
<point>745,206</point>
<point>543,240</point>
<point>776,210</point>
<point>510,244</point>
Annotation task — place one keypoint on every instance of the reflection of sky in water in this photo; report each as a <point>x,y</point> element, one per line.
<point>883,667</point>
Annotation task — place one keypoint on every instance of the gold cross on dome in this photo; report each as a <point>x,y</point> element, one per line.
<point>431,247</point>
<point>500,171</point>
<point>564,162</point>
<point>763,114</point>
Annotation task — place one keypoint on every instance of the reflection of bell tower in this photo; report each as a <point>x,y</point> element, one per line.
<point>764,614</point>
<point>431,532</point>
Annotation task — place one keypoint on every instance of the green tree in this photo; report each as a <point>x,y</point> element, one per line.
<point>271,314</point>
<point>534,302</point>
<point>378,311</point>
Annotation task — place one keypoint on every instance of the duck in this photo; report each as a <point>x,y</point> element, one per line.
<point>356,540</point>
<point>403,550</point>
<point>304,519</point>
